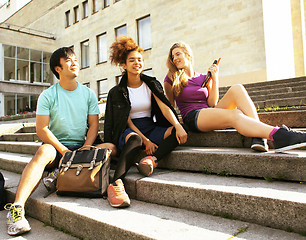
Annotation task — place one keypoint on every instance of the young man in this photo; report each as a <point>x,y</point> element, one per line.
<point>63,113</point>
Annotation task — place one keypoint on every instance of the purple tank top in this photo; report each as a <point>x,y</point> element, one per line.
<point>193,95</point>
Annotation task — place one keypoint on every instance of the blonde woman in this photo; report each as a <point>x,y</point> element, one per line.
<point>201,111</point>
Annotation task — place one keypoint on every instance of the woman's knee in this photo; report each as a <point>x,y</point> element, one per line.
<point>110,146</point>
<point>235,115</point>
<point>237,88</point>
<point>133,136</point>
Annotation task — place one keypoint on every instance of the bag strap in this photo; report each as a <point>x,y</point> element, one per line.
<point>70,161</point>
<point>93,161</point>
<point>90,146</point>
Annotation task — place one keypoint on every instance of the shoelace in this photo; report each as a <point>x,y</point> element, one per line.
<point>118,190</point>
<point>16,213</point>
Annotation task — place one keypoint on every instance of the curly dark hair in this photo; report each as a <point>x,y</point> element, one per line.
<point>121,48</point>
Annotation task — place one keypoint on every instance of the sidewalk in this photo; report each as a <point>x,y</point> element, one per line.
<point>40,232</point>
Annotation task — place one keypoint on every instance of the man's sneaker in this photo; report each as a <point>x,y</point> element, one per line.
<point>50,181</point>
<point>16,222</point>
<point>147,165</point>
<point>286,139</point>
<point>259,144</point>
<point>117,196</point>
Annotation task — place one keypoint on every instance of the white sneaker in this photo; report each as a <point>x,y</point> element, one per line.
<point>16,221</point>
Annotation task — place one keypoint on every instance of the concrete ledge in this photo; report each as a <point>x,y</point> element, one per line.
<point>289,166</point>
<point>241,162</point>
<point>95,219</point>
<point>293,119</point>
<point>277,205</point>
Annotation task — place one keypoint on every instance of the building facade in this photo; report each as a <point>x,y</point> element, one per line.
<point>258,40</point>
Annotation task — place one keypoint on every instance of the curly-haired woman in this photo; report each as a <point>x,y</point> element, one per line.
<point>137,114</point>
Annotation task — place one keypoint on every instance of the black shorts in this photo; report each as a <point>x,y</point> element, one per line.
<point>55,163</point>
<point>191,120</point>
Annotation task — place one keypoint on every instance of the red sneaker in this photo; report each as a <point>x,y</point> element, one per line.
<point>147,165</point>
<point>117,196</point>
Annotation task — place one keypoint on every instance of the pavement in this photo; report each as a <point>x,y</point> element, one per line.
<point>41,231</point>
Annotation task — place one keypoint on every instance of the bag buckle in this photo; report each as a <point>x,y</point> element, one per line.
<point>79,169</point>
<point>68,164</point>
<point>92,164</point>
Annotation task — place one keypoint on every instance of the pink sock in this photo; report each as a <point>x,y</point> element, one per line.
<point>272,132</point>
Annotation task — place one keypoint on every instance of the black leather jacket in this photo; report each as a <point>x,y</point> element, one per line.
<point>118,108</point>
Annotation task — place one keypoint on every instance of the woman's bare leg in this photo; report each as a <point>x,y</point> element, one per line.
<point>237,97</point>
<point>215,118</point>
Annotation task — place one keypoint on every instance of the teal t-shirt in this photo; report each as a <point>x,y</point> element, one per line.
<point>68,112</point>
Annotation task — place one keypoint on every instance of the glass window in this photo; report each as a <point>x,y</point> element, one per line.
<point>35,72</point>
<point>105,3</point>
<point>85,9</point>
<point>23,53</point>
<point>85,54</point>
<point>9,105</point>
<point>47,74</point>
<point>95,6</point>
<point>36,55</point>
<point>102,48</point>
<point>22,70</point>
<point>144,33</point>
<point>68,23</point>
<point>76,14</point>
<point>102,88</point>
<point>9,69</point>
<point>9,51</point>
<point>121,31</point>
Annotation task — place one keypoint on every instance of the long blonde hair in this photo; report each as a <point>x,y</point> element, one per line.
<point>178,76</point>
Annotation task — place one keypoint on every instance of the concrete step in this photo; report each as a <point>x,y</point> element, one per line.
<point>40,231</point>
<point>20,137</point>
<point>283,102</point>
<point>271,85</point>
<point>260,97</point>
<point>285,90</point>
<point>292,119</point>
<point>19,147</point>
<point>195,198</point>
<point>290,165</point>
<point>95,219</point>
<point>240,162</point>
<point>221,138</point>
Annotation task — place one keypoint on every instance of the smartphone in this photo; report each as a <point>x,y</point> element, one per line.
<point>208,76</point>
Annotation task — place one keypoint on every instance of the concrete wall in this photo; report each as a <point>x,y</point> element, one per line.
<point>230,29</point>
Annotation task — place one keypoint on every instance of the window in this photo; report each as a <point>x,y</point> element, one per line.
<point>102,48</point>
<point>94,6</point>
<point>68,23</point>
<point>26,65</point>
<point>85,54</point>
<point>144,33</point>
<point>121,31</point>
<point>102,88</point>
<point>76,14</point>
<point>105,3</point>
<point>85,9</point>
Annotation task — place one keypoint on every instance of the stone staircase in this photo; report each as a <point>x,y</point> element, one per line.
<point>213,187</point>
<point>281,94</point>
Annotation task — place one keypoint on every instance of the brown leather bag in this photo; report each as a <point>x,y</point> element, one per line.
<point>84,173</point>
